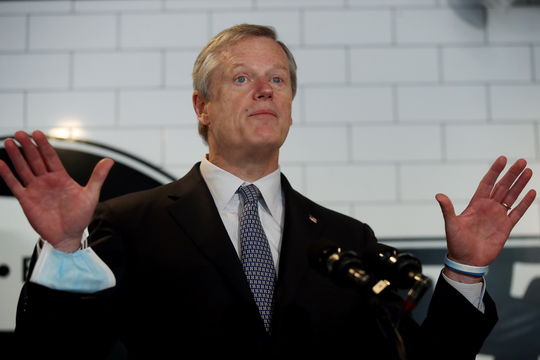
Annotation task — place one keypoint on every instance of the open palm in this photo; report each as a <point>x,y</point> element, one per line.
<point>57,207</point>
<point>477,235</point>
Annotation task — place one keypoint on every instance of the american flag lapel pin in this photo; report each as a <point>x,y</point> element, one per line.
<point>313,219</point>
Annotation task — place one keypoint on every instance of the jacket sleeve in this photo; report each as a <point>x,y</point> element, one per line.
<point>71,325</point>
<point>454,328</point>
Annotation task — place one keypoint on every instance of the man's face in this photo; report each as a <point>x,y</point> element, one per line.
<point>250,108</point>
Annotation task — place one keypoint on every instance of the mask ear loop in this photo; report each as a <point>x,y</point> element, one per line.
<point>84,242</point>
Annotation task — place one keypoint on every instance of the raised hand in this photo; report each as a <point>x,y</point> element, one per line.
<point>478,234</point>
<point>57,207</point>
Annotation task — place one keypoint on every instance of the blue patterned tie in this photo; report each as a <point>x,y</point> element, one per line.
<point>255,254</point>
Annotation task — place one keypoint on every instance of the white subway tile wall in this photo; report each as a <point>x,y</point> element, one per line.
<point>394,143</point>
<point>469,142</point>
<point>207,4</point>
<point>12,109</point>
<point>317,144</point>
<point>115,5</point>
<point>36,6</point>
<point>156,107</point>
<point>117,69</point>
<point>61,108</point>
<point>12,33</point>
<point>351,182</point>
<point>145,143</point>
<point>320,66</point>
<point>349,104</point>
<point>178,67</point>
<point>162,30</point>
<point>77,32</point>
<point>536,56</point>
<point>514,102</point>
<point>487,63</point>
<point>398,99</point>
<point>25,71</point>
<point>347,27</point>
<point>287,22</point>
<point>182,147</point>
<point>394,65</point>
<point>439,103</point>
<point>420,182</point>
<point>443,24</point>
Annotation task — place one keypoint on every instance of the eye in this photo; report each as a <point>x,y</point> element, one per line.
<point>277,80</point>
<point>241,79</point>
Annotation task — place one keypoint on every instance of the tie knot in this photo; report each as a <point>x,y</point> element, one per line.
<point>249,193</point>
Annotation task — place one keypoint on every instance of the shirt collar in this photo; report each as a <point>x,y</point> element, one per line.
<point>223,186</point>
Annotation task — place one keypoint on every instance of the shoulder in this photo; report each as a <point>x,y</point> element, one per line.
<point>150,200</point>
<point>154,195</point>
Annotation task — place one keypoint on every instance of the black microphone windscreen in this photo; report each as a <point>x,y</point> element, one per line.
<point>319,253</point>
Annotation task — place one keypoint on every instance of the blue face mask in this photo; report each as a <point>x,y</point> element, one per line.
<point>82,271</point>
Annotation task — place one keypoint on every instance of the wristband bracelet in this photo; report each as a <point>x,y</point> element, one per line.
<point>466,269</point>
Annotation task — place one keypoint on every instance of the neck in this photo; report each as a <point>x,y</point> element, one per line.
<point>248,168</point>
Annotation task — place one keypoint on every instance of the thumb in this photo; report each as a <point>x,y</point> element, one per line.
<point>446,205</point>
<point>99,174</point>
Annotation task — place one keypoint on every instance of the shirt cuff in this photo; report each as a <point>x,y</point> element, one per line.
<point>81,271</point>
<point>472,292</point>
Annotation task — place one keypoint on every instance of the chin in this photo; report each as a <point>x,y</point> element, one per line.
<point>270,139</point>
<point>266,144</point>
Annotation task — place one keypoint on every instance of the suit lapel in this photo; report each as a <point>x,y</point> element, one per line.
<point>195,212</point>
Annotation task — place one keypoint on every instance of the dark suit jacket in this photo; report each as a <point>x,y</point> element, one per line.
<point>181,290</point>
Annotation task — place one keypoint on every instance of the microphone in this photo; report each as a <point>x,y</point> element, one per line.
<point>344,267</point>
<point>402,269</point>
<point>381,267</point>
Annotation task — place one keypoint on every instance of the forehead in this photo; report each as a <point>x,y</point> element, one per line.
<point>254,52</point>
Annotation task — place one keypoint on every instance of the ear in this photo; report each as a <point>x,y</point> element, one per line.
<point>199,105</point>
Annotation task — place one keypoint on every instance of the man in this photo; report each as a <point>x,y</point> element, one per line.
<point>180,284</point>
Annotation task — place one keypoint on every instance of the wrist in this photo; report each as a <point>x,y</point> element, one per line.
<point>67,245</point>
<point>462,278</point>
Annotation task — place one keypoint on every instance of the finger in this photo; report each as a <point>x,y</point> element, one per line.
<point>502,187</point>
<point>486,184</point>
<point>11,181</point>
<point>48,154</point>
<point>99,174</point>
<point>31,154</point>
<point>517,188</point>
<point>446,205</point>
<point>19,162</point>
<point>522,207</point>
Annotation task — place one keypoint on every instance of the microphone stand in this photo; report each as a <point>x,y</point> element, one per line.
<point>388,326</point>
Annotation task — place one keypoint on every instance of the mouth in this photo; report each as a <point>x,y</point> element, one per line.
<point>264,112</point>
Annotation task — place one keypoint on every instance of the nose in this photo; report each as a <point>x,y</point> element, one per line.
<point>263,90</point>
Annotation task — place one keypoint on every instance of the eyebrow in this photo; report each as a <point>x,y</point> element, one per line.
<point>243,65</point>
